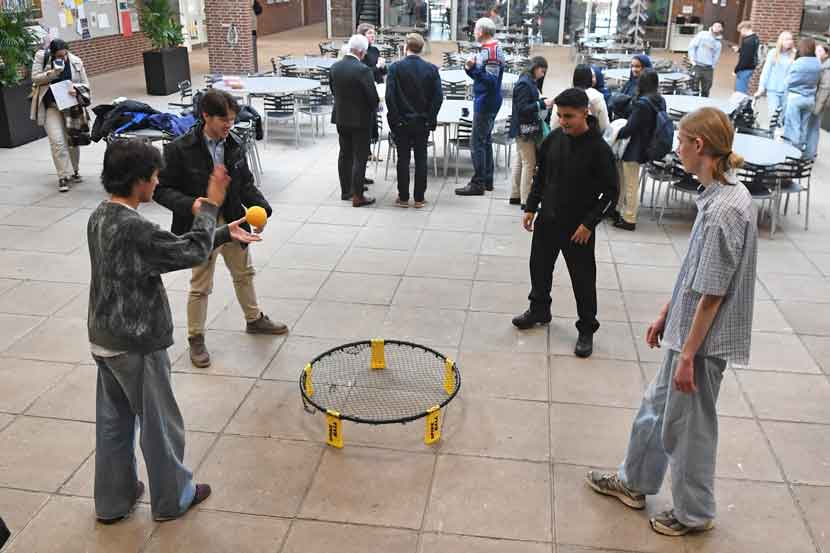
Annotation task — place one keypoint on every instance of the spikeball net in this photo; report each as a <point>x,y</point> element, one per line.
<point>379,382</point>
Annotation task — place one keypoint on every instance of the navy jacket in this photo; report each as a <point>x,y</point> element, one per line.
<point>413,93</point>
<point>526,103</point>
<point>641,126</point>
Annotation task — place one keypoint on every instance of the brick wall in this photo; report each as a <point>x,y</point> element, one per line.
<point>771,17</point>
<point>110,53</point>
<point>219,16</point>
<point>280,17</point>
<point>341,18</point>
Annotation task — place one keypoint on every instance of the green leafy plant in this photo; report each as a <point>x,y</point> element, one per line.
<point>160,24</point>
<point>18,44</point>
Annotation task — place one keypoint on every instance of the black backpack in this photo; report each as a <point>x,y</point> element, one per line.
<point>663,138</point>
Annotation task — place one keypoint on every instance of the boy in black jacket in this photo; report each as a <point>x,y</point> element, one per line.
<point>130,328</point>
<point>576,183</point>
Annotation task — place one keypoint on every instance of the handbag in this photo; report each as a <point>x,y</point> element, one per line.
<point>544,130</point>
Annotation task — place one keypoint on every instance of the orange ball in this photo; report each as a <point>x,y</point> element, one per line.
<point>256,216</point>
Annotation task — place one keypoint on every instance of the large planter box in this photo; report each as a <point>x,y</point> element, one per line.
<point>164,69</point>
<point>16,128</point>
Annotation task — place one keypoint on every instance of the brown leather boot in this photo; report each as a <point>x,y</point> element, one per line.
<point>360,201</point>
<point>199,355</point>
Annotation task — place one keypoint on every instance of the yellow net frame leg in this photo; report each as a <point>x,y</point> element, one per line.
<point>433,426</point>
<point>309,387</point>
<point>449,376</point>
<point>378,356</point>
<point>334,429</point>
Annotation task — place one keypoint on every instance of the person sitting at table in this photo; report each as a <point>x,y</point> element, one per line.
<point>620,106</point>
<point>640,128</point>
<point>355,108</point>
<point>802,83</point>
<point>526,126</point>
<point>486,70</point>
<point>377,64</point>
<point>599,83</point>
<point>584,79</point>
<point>704,53</point>
<point>822,100</point>
<point>773,81</point>
<point>413,100</point>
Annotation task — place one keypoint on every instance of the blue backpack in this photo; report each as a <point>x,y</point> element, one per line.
<point>663,138</point>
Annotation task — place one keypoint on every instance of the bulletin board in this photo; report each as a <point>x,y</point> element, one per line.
<point>73,20</point>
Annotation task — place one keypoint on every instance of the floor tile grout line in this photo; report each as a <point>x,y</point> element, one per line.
<point>780,465</point>
<point>319,463</point>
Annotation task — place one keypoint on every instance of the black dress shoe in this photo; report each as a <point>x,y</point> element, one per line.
<point>470,190</point>
<point>584,345</point>
<point>365,188</point>
<point>625,225</point>
<point>368,181</point>
<point>529,319</point>
<point>515,201</point>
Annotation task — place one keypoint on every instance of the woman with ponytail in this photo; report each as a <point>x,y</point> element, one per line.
<point>706,324</point>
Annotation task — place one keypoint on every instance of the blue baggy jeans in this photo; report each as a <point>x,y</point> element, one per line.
<point>797,117</point>
<point>135,387</point>
<point>678,429</point>
<point>742,79</point>
<point>481,144</point>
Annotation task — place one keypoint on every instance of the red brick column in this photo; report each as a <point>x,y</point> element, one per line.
<point>226,19</point>
<point>771,17</point>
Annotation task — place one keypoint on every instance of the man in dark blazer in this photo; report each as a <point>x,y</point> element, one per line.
<point>413,99</point>
<point>188,163</point>
<point>355,107</point>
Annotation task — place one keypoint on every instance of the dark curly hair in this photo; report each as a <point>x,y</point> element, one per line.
<point>127,162</point>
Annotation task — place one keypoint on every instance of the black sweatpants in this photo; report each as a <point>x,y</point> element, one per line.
<point>549,239</point>
<point>351,162</point>
<point>408,139</point>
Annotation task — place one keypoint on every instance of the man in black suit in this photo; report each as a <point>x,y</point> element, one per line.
<point>355,106</point>
<point>413,99</point>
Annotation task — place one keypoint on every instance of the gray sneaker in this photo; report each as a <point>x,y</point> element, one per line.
<point>199,355</point>
<point>608,483</point>
<point>667,524</point>
<point>264,325</point>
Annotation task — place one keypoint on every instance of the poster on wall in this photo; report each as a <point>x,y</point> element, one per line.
<point>128,17</point>
<point>77,19</point>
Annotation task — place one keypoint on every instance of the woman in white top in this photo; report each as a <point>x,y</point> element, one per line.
<point>585,79</point>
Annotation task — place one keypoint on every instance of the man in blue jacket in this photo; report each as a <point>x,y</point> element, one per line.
<point>486,69</point>
<point>413,99</point>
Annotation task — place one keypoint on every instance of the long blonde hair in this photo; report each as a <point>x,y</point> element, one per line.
<point>713,127</point>
<point>779,45</point>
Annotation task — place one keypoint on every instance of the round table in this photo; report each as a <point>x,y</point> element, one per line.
<point>622,74</point>
<point>310,61</point>
<point>451,114</point>
<point>614,57</point>
<point>592,45</point>
<point>270,85</point>
<point>459,75</point>
<point>687,104</point>
<point>759,150</point>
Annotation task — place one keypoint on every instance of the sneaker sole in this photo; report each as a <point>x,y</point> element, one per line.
<point>200,365</point>
<point>627,501</point>
<point>268,332</point>
<point>523,327</point>
<point>666,531</point>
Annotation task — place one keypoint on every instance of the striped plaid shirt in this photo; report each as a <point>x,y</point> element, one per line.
<point>720,262</point>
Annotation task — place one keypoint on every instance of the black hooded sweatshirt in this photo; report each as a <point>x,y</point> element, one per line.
<point>576,178</point>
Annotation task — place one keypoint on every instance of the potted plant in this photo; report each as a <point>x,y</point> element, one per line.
<point>167,64</point>
<point>18,44</point>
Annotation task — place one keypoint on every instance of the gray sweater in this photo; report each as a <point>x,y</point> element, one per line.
<point>128,307</point>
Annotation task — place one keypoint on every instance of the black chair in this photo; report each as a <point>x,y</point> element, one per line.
<point>764,184</point>
<point>796,175</point>
<point>281,108</point>
<point>679,181</point>
<point>318,106</point>
<point>454,91</point>
<point>185,102</point>
<point>461,141</point>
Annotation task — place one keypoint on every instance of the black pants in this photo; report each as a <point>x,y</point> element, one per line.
<point>407,139</point>
<point>351,162</point>
<point>550,238</point>
<point>704,76</point>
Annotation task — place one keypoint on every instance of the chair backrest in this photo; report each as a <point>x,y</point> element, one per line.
<point>279,104</point>
<point>464,131</point>
<point>288,70</point>
<point>321,75</point>
<point>454,91</point>
<point>775,119</point>
<point>759,179</point>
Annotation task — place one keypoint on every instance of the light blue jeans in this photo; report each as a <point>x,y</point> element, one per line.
<point>774,100</point>
<point>678,429</point>
<point>134,387</point>
<point>742,79</point>
<point>796,117</point>
<point>813,133</point>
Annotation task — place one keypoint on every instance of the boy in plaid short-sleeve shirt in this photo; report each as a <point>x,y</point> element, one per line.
<point>707,323</point>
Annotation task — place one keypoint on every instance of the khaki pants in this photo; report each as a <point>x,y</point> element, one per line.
<point>524,167</point>
<point>629,201</point>
<point>64,156</point>
<point>238,261</point>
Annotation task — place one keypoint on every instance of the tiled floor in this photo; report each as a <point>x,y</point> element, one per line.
<point>531,418</point>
